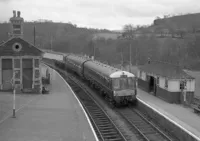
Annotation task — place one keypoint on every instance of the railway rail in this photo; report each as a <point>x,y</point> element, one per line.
<point>104,126</point>
<point>144,129</point>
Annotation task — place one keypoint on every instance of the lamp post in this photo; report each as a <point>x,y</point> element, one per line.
<point>14,97</point>
<point>14,92</point>
<point>130,64</point>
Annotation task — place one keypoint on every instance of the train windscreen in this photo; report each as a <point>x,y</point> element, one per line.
<point>116,84</point>
<point>123,83</point>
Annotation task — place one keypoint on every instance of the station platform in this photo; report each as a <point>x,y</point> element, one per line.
<point>57,116</point>
<point>184,117</point>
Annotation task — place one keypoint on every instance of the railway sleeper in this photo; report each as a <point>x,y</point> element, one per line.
<point>117,139</point>
<point>101,122</point>
<point>96,112</point>
<point>113,137</point>
<point>102,119</point>
<point>106,130</point>
<point>109,133</point>
<point>104,125</point>
<point>108,127</point>
<point>149,132</point>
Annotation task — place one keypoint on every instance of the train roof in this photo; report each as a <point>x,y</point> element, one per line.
<point>101,68</point>
<point>119,73</point>
<point>77,58</point>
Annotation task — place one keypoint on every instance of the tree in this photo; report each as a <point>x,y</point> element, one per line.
<point>181,32</point>
<point>128,31</point>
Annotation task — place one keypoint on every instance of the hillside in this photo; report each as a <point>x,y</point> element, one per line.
<point>189,22</point>
<point>67,37</point>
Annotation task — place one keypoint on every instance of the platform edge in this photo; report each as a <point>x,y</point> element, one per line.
<point>175,123</point>
<point>80,106</point>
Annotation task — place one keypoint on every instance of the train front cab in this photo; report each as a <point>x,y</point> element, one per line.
<point>124,89</point>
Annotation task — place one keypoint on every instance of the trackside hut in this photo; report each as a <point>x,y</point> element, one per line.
<point>166,81</point>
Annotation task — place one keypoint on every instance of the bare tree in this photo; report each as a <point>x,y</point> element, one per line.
<point>128,31</point>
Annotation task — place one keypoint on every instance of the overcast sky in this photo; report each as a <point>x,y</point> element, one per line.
<point>110,14</point>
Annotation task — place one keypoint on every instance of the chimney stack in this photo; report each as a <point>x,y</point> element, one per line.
<point>14,13</point>
<point>18,13</point>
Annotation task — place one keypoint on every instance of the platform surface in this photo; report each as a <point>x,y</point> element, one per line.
<point>183,116</point>
<point>53,117</point>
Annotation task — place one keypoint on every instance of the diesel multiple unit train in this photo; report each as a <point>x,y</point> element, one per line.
<point>117,86</point>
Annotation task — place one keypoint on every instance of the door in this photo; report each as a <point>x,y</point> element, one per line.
<point>152,84</point>
<point>7,74</point>
<point>27,78</point>
<point>6,78</point>
<point>27,74</point>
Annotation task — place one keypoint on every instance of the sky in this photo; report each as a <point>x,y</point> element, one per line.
<point>109,14</point>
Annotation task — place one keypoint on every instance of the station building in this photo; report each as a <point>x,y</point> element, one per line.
<point>19,60</point>
<point>166,81</point>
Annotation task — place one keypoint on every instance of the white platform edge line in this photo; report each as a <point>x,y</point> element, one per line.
<point>193,135</point>
<point>80,105</point>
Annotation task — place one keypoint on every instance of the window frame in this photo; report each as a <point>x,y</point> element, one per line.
<point>158,80</point>
<point>166,83</point>
<point>113,82</point>
<point>183,83</point>
<point>38,63</point>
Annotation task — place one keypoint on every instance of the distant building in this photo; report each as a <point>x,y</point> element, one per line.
<point>166,81</point>
<point>19,60</point>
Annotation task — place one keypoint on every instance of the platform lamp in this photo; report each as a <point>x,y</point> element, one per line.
<point>14,94</point>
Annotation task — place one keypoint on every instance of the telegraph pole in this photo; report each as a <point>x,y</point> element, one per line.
<point>130,61</point>
<point>51,44</point>
<point>122,60</point>
<point>94,50</point>
<point>34,35</point>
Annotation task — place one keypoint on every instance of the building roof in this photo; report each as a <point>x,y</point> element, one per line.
<point>165,70</point>
<point>24,48</point>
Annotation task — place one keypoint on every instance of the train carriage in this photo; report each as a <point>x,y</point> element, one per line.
<point>98,74</point>
<point>119,86</point>
<point>75,63</point>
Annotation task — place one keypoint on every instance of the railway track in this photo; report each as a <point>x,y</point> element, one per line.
<point>103,125</point>
<point>145,130</point>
